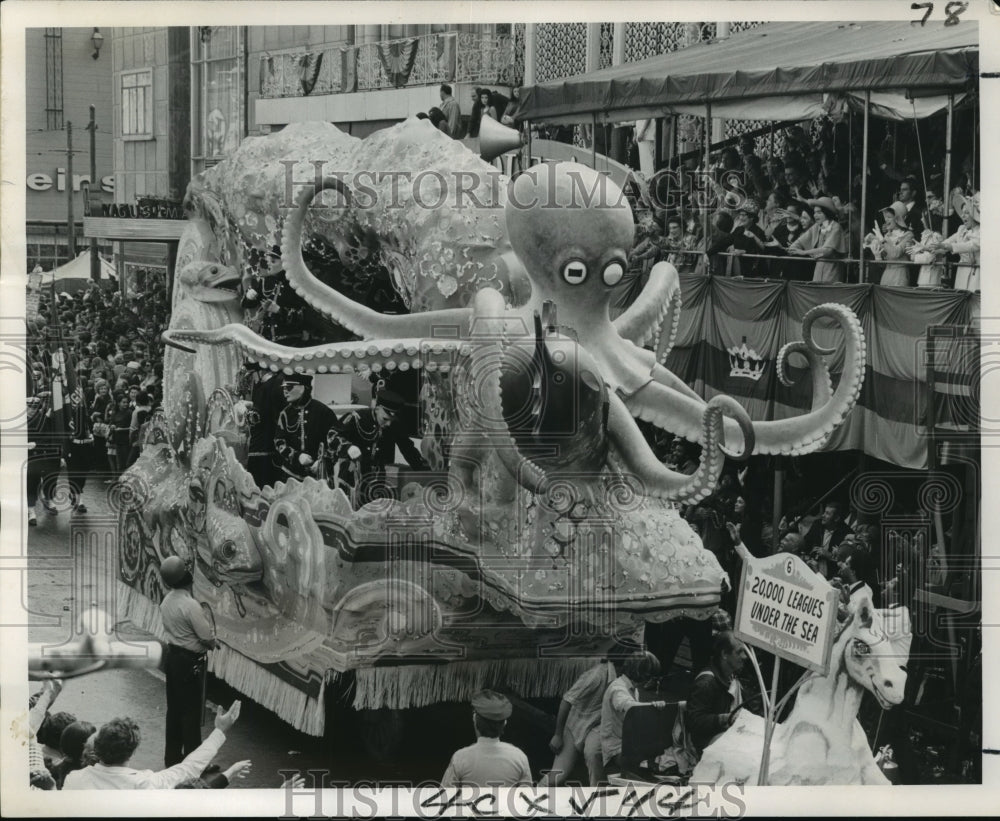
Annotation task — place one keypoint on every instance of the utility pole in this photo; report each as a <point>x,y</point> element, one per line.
<point>95,265</point>
<point>71,222</point>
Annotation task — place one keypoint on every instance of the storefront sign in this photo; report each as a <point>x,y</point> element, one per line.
<point>787,609</point>
<point>37,181</point>
<point>158,209</point>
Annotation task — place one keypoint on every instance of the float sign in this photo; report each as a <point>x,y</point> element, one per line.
<point>788,609</point>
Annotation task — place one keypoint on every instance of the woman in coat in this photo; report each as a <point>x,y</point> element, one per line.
<point>825,242</point>
<point>893,245</point>
<point>965,243</point>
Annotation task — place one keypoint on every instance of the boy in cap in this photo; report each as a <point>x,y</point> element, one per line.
<point>489,762</point>
<point>302,428</point>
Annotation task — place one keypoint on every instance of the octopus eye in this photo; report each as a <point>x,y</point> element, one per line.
<point>861,649</point>
<point>613,273</point>
<point>574,272</point>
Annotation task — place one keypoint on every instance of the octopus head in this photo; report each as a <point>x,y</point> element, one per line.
<point>572,229</point>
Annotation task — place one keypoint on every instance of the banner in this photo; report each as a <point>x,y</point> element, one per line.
<point>732,329</point>
<point>397,59</point>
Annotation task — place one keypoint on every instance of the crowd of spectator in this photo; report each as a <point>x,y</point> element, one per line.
<point>104,349</point>
<point>66,753</point>
<point>797,216</point>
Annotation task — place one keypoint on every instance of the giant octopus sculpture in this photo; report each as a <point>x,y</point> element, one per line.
<point>550,522</point>
<point>561,502</point>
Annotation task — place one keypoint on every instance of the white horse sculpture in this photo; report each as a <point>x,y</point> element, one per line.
<point>821,741</point>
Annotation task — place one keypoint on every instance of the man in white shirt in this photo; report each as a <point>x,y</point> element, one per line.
<point>118,740</point>
<point>622,694</point>
<point>489,762</point>
<point>190,636</point>
<point>578,727</point>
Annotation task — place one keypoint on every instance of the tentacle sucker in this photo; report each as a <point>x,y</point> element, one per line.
<point>341,357</point>
<point>643,321</point>
<point>354,316</point>
<point>656,479</point>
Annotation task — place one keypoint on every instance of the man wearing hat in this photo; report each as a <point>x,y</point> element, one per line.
<point>302,428</point>
<point>489,762</point>
<point>190,636</point>
<point>376,433</point>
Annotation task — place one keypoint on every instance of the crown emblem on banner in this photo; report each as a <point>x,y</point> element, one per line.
<point>745,362</point>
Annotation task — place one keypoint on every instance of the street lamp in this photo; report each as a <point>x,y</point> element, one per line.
<point>98,40</point>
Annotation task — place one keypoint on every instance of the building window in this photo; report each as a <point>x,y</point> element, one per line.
<point>137,104</point>
<point>217,80</point>
<point>53,79</point>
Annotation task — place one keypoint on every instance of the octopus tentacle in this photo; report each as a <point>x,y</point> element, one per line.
<point>341,357</point>
<point>659,481</point>
<point>644,320</point>
<point>677,412</point>
<point>354,316</point>
<point>490,329</point>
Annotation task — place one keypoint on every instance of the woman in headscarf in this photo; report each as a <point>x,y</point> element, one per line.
<point>825,242</point>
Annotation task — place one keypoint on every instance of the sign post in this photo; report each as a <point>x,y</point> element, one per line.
<point>791,611</point>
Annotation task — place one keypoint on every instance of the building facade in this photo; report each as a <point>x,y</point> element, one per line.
<point>185,97</point>
<point>65,73</point>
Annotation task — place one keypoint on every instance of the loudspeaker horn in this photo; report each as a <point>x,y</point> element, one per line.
<point>496,139</point>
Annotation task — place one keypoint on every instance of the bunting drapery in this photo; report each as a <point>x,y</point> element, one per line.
<point>397,59</point>
<point>348,70</point>
<point>309,66</point>
<point>731,331</point>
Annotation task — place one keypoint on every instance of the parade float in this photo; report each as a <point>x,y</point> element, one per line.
<point>547,530</point>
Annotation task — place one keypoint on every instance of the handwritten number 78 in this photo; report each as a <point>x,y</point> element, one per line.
<point>951,12</point>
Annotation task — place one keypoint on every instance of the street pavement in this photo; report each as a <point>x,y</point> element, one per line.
<point>71,565</point>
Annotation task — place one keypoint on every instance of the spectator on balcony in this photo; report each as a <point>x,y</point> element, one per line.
<point>782,237</point>
<point>825,242</point>
<point>798,182</point>
<point>748,238</point>
<point>672,243</point>
<point>452,113</point>
<point>965,243</point>
<point>911,194</point>
<point>893,245</point>
<point>693,244</point>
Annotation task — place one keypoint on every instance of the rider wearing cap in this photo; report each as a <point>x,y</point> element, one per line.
<point>302,428</point>
<point>376,433</point>
<point>189,637</point>
<point>489,762</point>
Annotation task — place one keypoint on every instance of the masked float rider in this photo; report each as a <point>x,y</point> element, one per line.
<point>302,429</point>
